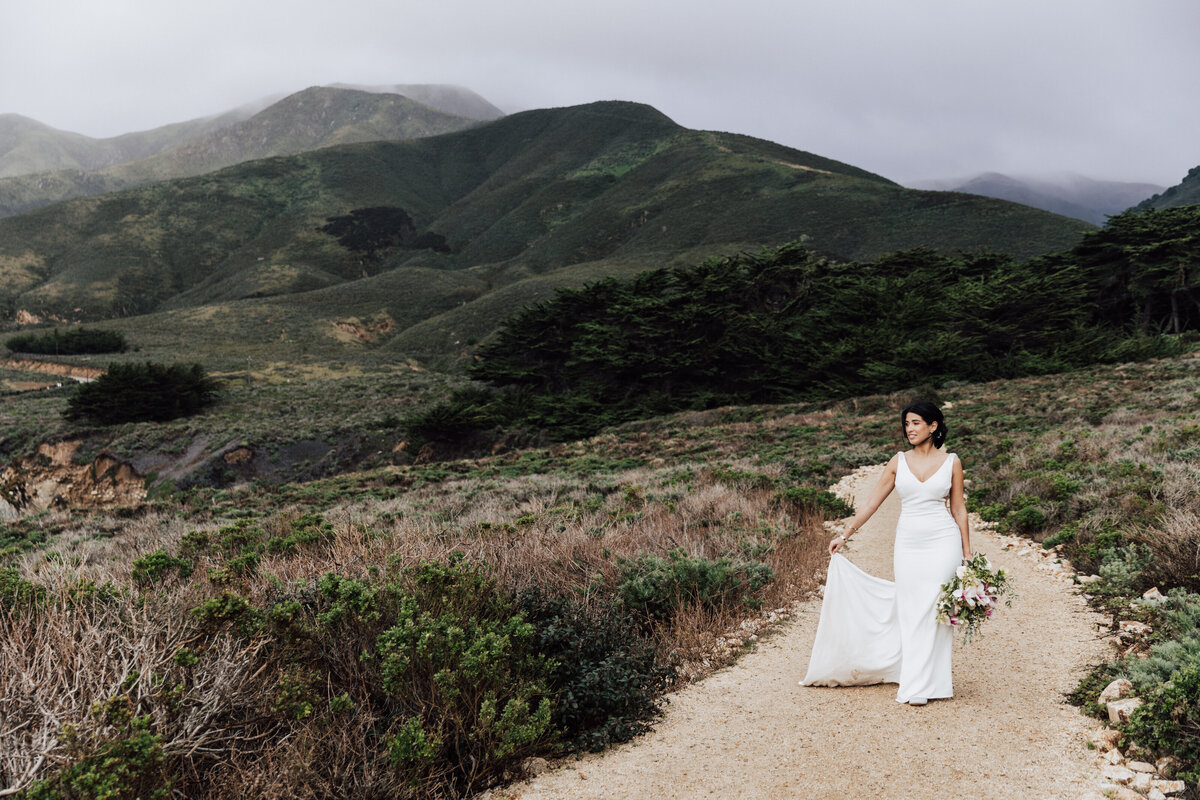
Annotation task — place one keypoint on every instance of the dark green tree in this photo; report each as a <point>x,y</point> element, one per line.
<point>72,342</point>
<point>367,231</point>
<point>1144,269</point>
<point>146,392</point>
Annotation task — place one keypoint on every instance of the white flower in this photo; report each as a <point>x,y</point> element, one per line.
<point>961,572</point>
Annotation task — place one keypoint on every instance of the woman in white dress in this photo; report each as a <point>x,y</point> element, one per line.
<point>876,631</point>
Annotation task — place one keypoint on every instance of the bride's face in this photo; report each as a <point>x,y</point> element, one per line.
<point>916,429</point>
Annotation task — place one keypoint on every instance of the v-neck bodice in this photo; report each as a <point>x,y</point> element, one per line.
<point>924,497</point>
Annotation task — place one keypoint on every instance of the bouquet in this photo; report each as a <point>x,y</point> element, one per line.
<point>967,601</point>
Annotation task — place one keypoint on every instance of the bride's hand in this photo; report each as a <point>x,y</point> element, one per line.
<point>836,544</point>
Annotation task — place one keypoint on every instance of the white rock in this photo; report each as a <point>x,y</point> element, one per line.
<point>1115,691</point>
<point>1114,757</point>
<point>1121,793</point>
<point>1104,739</point>
<point>1140,782</point>
<point>1118,774</point>
<point>1167,766</point>
<point>1085,579</point>
<point>1133,627</point>
<point>1153,595</point>
<point>1119,710</point>
<point>1155,794</point>
<point>1141,766</point>
<point>1170,787</point>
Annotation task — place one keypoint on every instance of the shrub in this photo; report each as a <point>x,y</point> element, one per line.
<point>1122,569</point>
<point>807,498</point>
<point>73,342</point>
<point>16,593</point>
<point>121,759</point>
<point>1170,720</point>
<point>1180,623</point>
<point>606,677</point>
<point>145,392</point>
<point>157,565</point>
<point>657,586</point>
<point>460,668</point>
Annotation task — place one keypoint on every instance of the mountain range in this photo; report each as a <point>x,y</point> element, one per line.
<point>40,165</point>
<point>1070,195</point>
<point>524,204</point>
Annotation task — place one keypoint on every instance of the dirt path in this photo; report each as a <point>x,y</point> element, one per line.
<point>750,731</point>
<point>76,371</point>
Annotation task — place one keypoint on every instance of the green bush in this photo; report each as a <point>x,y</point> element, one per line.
<point>1170,721</point>
<point>657,587</point>
<point>74,342</point>
<point>122,759</point>
<point>146,392</point>
<point>1122,568</point>
<point>807,498</point>
<point>18,594</point>
<point>1179,649</point>
<point>156,566</point>
<point>606,677</point>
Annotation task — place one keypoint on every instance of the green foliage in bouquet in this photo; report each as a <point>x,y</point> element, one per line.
<point>967,601</point>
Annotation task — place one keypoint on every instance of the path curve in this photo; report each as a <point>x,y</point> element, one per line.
<point>750,731</point>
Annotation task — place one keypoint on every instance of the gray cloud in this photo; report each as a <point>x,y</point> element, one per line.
<point>927,88</point>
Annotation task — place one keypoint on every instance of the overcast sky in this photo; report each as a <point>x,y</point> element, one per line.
<point>910,89</point>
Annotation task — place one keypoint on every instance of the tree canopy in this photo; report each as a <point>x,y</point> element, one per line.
<point>785,324</point>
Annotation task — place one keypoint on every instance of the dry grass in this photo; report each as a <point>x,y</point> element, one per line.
<point>566,535</point>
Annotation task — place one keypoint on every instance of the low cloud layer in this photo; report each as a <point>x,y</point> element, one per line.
<point>923,89</point>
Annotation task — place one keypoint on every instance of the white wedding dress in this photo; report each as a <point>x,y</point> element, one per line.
<point>877,631</point>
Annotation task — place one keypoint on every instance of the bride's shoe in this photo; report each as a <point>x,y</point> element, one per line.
<point>918,701</point>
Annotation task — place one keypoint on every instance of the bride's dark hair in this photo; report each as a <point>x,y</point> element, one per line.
<point>931,414</point>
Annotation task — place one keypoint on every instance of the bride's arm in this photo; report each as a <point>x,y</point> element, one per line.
<point>887,482</point>
<point>958,507</point>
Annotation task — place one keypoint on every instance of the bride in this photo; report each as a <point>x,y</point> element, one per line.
<point>876,631</point>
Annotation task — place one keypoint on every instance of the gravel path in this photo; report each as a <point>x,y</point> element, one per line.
<point>750,731</point>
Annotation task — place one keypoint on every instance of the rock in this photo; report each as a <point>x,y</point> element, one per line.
<point>535,766</point>
<point>1086,579</point>
<point>1167,766</point>
<point>1119,710</point>
<point>1153,596</point>
<point>1115,691</point>
<point>1155,794</point>
<point>1135,752</point>
<point>1141,766</point>
<point>1114,757</point>
<point>1104,739</point>
<point>1140,782</point>
<point>1170,787</point>
<point>1118,792</point>
<point>1130,629</point>
<point>1118,774</point>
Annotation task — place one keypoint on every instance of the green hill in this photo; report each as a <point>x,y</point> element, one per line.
<point>533,200</point>
<point>1184,193</point>
<point>314,118</point>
